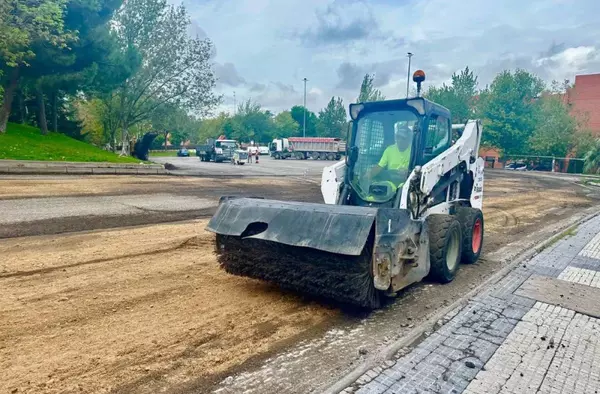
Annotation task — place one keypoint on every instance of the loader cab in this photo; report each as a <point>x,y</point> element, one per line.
<point>388,139</point>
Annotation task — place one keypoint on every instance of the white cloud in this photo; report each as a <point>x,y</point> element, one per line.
<point>266,47</point>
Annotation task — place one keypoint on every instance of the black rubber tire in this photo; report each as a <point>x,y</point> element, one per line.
<point>276,156</point>
<point>442,230</point>
<point>467,217</point>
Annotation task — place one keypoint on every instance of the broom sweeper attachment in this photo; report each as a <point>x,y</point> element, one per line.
<point>317,249</point>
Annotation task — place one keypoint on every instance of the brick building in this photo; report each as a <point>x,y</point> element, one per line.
<point>585,100</point>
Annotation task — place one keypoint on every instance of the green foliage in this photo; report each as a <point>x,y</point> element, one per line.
<point>508,110</point>
<point>22,142</point>
<point>583,142</point>
<point>332,119</point>
<point>285,125</point>
<point>89,116</point>
<point>592,159</point>
<point>368,92</point>
<point>24,22</point>
<point>175,69</point>
<point>158,142</point>
<point>458,96</point>
<point>554,128</point>
<point>212,127</point>
<point>251,123</point>
<point>297,112</point>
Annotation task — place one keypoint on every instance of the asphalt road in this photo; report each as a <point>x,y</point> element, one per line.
<point>267,166</point>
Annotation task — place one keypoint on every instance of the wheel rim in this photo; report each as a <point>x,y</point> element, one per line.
<point>452,252</point>
<point>476,241</point>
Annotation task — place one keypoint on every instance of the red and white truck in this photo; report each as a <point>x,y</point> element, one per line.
<point>323,148</point>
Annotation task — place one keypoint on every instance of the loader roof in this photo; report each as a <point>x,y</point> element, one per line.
<point>428,106</point>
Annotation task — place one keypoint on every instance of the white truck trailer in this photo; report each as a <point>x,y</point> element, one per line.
<point>323,148</point>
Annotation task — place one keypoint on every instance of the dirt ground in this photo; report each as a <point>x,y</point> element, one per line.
<point>147,309</point>
<point>104,311</point>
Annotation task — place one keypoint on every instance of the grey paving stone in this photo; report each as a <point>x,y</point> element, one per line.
<point>502,331</point>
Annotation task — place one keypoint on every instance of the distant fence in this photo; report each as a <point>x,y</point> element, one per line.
<point>571,165</point>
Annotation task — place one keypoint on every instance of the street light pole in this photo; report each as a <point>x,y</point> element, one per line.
<point>234,103</point>
<point>408,76</point>
<point>304,121</point>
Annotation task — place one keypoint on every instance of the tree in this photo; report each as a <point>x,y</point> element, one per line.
<point>253,124</point>
<point>89,116</point>
<point>592,159</point>
<point>297,112</point>
<point>212,127</point>
<point>332,119</point>
<point>285,125</point>
<point>175,68</point>
<point>508,110</point>
<point>171,121</point>
<point>368,92</point>
<point>56,72</point>
<point>458,96</point>
<point>23,23</point>
<point>554,128</point>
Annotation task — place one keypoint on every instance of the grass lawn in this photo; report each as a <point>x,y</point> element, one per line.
<point>168,153</point>
<point>163,153</point>
<point>22,142</point>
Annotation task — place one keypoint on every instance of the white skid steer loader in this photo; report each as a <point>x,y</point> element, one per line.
<point>405,203</point>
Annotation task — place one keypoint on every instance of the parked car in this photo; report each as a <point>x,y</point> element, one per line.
<point>263,150</point>
<point>516,166</point>
<point>183,153</point>
<point>542,167</point>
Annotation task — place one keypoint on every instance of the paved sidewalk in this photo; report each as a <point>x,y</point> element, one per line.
<point>535,331</point>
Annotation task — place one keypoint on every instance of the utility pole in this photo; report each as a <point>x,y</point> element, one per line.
<point>408,76</point>
<point>304,122</point>
<point>234,104</point>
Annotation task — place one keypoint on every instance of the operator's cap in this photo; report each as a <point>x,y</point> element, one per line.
<point>402,131</point>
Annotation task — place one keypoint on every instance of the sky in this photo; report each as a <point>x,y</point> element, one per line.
<point>264,48</point>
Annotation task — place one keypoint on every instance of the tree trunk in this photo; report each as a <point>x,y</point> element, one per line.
<point>21,106</point>
<point>166,139</point>
<point>54,111</point>
<point>125,144</point>
<point>9,93</point>
<point>42,122</point>
<point>125,140</point>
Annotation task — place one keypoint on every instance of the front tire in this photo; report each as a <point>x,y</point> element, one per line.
<point>445,246</point>
<point>471,221</point>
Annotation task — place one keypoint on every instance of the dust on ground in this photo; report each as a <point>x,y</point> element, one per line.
<point>147,309</point>
<point>136,310</point>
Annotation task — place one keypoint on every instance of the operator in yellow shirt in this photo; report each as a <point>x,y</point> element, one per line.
<point>395,157</point>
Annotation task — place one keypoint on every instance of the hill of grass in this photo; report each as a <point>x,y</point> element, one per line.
<point>22,142</point>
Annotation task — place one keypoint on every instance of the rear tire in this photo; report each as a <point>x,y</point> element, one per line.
<point>315,155</point>
<point>445,246</point>
<point>471,221</point>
